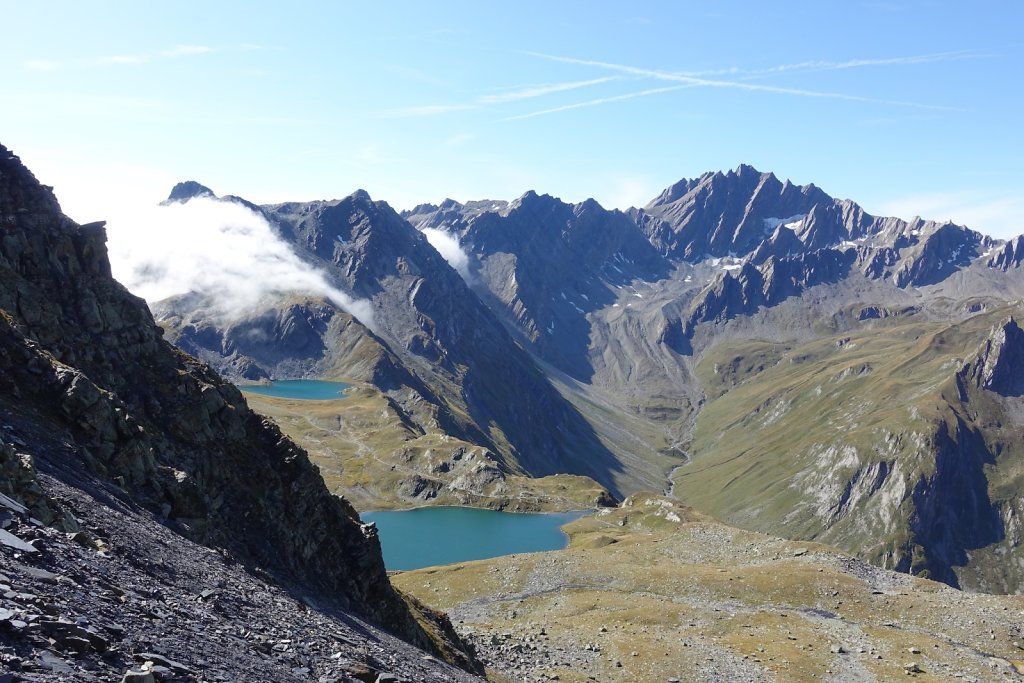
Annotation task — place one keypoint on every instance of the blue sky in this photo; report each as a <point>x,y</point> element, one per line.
<point>908,107</point>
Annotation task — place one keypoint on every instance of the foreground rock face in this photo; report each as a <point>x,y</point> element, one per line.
<point>98,396</point>
<point>124,597</point>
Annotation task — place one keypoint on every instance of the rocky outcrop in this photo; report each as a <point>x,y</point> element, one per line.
<point>882,312</point>
<point>766,284</point>
<point>1009,255</point>
<point>941,251</point>
<point>450,215</point>
<point>999,365</point>
<point>952,512</point>
<point>81,357</point>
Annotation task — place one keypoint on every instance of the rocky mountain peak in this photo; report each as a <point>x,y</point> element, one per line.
<point>720,214</point>
<point>190,189</point>
<point>530,198</point>
<point>748,171</point>
<point>587,206</point>
<point>360,196</point>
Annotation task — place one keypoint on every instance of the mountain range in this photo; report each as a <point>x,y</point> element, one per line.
<point>753,349</point>
<point>769,354</point>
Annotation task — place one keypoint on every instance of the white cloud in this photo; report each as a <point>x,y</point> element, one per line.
<point>823,65</point>
<point>128,59</point>
<point>735,85</point>
<point>482,101</point>
<point>628,192</point>
<point>540,91</point>
<point>448,246</point>
<point>220,250</point>
<point>1000,216</point>
<point>599,101</point>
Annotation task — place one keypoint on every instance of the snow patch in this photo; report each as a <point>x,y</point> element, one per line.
<point>791,222</point>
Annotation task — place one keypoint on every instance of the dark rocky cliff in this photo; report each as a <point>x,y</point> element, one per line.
<point>999,365</point>
<point>81,358</point>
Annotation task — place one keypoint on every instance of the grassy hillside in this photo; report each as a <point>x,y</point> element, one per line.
<point>367,452</point>
<point>852,439</point>
<point>653,591</point>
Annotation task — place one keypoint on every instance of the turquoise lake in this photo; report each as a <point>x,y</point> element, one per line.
<point>424,537</point>
<point>308,389</point>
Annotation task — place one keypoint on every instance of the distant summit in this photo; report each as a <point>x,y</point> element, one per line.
<point>190,189</point>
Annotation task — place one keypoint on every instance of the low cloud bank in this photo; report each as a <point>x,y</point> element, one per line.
<point>220,250</point>
<point>448,246</point>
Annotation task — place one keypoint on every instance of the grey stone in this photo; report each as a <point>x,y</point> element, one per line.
<point>37,573</point>
<point>11,541</point>
<point>73,636</point>
<point>12,505</point>
<point>134,676</point>
<point>177,667</point>
<point>48,661</point>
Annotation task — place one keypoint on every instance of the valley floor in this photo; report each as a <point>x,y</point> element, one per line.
<point>653,591</point>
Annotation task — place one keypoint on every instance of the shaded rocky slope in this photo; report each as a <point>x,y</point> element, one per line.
<point>584,291</point>
<point>84,364</point>
<point>548,264</point>
<point>427,312</point>
<point>125,593</point>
